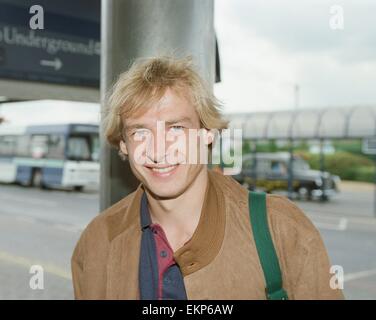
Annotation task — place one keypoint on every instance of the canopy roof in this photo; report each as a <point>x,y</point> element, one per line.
<point>344,122</point>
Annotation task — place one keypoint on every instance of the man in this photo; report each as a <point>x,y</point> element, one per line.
<point>185,233</point>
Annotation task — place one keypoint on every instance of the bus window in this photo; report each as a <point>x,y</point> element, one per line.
<point>56,147</point>
<point>22,146</point>
<point>39,146</point>
<point>78,148</point>
<point>7,145</point>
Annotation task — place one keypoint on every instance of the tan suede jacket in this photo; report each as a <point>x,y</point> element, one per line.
<point>220,261</point>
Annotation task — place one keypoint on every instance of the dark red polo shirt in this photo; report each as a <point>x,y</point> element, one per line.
<point>165,254</point>
<point>159,275</point>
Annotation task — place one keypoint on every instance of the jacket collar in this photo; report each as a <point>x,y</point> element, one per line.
<point>205,242</point>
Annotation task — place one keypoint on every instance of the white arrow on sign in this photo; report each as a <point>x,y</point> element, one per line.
<point>57,63</point>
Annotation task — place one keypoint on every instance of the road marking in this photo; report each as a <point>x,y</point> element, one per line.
<point>27,263</point>
<point>340,226</point>
<point>359,275</point>
<point>69,227</point>
<point>342,223</point>
<point>367,220</point>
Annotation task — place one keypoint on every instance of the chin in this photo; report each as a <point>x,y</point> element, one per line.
<point>166,193</point>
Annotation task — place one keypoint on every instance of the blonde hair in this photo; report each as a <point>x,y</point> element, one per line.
<point>146,82</point>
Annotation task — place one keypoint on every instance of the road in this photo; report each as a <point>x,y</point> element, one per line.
<point>41,227</point>
<point>348,226</point>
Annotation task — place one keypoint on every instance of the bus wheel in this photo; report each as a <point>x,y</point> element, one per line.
<point>37,179</point>
<point>78,188</point>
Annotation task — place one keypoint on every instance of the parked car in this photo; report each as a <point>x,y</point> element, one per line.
<point>269,172</point>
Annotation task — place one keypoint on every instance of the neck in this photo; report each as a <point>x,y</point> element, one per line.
<point>179,217</point>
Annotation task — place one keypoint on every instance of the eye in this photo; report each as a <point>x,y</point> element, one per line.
<point>140,133</point>
<point>176,128</point>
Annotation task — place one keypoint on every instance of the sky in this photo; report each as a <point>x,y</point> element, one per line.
<point>268,47</point>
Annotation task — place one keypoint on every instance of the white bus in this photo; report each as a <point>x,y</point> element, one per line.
<point>59,155</point>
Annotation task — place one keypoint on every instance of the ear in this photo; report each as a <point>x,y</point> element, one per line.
<point>123,147</point>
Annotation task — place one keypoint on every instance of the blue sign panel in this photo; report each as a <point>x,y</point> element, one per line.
<point>65,51</point>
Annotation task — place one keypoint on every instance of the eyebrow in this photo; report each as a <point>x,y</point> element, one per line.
<point>182,119</point>
<point>135,126</point>
<point>169,122</point>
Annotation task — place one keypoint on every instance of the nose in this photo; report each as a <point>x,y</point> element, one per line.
<point>156,148</point>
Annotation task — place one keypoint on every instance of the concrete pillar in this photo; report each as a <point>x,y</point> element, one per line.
<point>132,29</point>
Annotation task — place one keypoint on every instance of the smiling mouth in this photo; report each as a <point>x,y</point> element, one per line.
<point>165,171</point>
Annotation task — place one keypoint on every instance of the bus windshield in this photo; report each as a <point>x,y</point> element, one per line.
<point>83,147</point>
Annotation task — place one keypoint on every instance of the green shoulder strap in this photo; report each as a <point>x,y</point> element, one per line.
<point>265,247</point>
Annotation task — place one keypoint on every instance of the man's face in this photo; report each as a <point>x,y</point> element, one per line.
<point>159,143</point>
